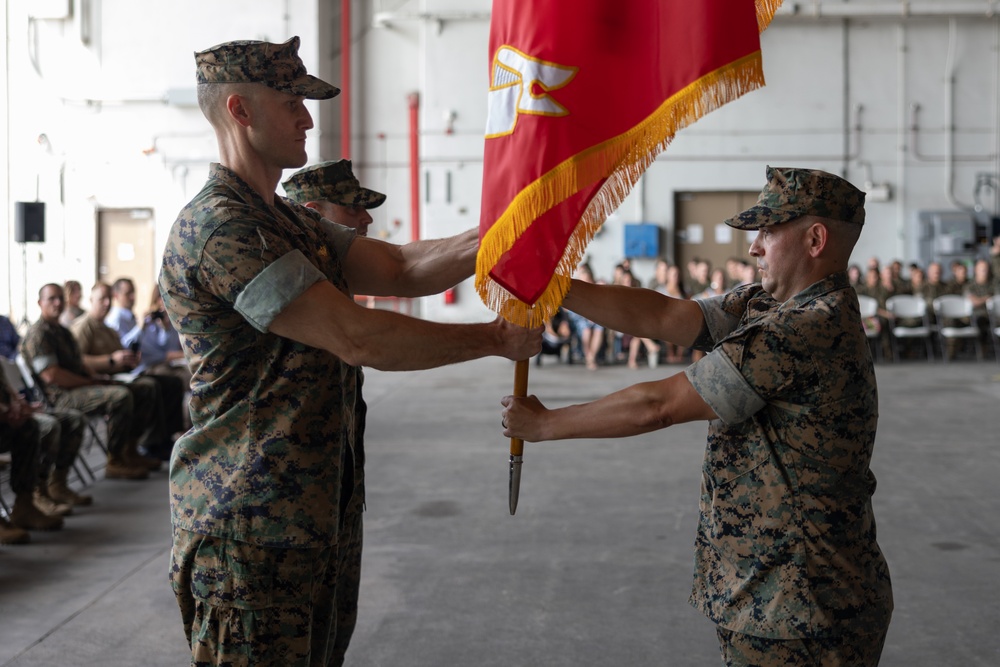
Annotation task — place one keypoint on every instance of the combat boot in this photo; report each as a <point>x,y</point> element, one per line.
<point>60,492</point>
<point>50,506</point>
<point>11,534</point>
<point>137,460</point>
<point>26,515</point>
<point>117,468</point>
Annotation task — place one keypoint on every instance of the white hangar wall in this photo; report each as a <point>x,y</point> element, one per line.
<point>901,98</point>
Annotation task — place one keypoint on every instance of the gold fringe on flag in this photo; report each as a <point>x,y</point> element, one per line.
<point>765,12</point>
<point>623,159</point>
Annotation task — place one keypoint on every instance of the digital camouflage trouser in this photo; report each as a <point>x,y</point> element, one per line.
<point>850,650</point>
<point>244,605</point>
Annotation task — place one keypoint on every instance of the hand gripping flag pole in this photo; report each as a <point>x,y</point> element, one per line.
<point>583,95</point>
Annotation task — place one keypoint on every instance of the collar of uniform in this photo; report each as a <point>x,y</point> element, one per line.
<point>832,283</point>
<point>235,182</point>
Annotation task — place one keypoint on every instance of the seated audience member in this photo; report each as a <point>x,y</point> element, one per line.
<point>959,277</point>
<point>668,281</point>
<point>900,285</point>
<point>916,287</point>
<point>557,338</point>
<point>716,285</point>
<point>995,264</point>
<point>120,317</point>
<point>73,292</point>
<point>734,272</point>
<point>9,338</point>
<point>19,435</point>
<point>918,280</point>
<point>99,344</point>
<point>749,273</point>
<point>60,435</point>
<point>591,335</point>
<point>887,281</point>
<point>854,275</point>
<point>160,344</point>
<point>872,287</point>
<point>161,353</point>
<point>55,359</point>
<point>934,286</point>
<point>700,270</point>
<point>633,344</point>
<point>978,292</point>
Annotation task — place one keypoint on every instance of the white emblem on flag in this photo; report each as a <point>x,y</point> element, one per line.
<point>520,84</point>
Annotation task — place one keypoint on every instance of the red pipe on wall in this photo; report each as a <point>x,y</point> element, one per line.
<point>345,79</point>
<point>414,101</point>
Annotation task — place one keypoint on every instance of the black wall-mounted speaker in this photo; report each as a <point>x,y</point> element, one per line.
<point>29,222</point>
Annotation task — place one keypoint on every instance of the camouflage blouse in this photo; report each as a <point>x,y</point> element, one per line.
<point>786,538</point>
<point>272,418</point>
<point>51,344</point>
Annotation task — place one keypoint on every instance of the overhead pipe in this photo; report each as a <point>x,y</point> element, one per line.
<point>903,9</point>
<point>996,115</point>
<point>389,19</point>
<point>413,99</point>
<point>845,56</point>
<point>949,119</point>
<point>345,79</point>
<point>914,129</point>
<point>816,9</point>
<point>901,92</point>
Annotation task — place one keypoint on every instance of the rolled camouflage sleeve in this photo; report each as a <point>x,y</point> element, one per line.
<point>765,363</point>
<point>721,385</point>
<point>280,283</point>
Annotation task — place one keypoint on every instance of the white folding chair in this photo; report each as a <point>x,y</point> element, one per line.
<point>909,308</point>
<point>952,311</point>
<point>869,319</point>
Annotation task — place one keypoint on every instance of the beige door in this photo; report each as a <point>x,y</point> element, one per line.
<point>700,231</point>
<point>125,250</point>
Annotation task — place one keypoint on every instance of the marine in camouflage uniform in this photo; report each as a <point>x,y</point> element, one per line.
<point>267,488</point>
<point>334,183</point>
<point>332,190</point>
<point>787,565</point>
<point>279,497</point>
<point>20,434</point>
<point>786,543</point>
<point>50,349</point>
<point>979,291</point>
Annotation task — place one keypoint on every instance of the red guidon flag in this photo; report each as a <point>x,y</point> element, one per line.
<point>583,95</point>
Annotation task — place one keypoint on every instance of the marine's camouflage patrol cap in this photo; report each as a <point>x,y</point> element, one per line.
<point>277,66</point>
<point>331,181</point>
<point>791,193</point>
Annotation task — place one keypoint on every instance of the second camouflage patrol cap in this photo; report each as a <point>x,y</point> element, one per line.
<point>277,66</point>
<point>792,192</point>
<point>331,181</point>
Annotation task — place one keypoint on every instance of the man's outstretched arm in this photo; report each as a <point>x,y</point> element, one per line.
<point>640,408</point>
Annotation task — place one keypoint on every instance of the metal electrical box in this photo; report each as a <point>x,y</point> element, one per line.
<point>946,236</point>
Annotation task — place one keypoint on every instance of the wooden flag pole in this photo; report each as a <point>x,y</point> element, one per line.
<point>516,444</point>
